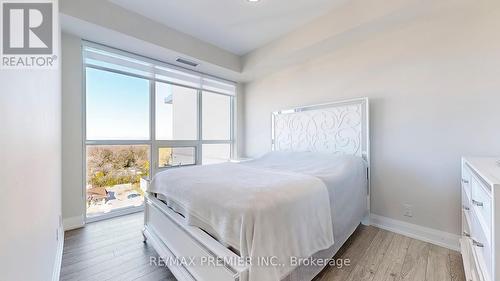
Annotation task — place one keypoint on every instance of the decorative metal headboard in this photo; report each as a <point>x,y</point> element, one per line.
<point>338,127</point>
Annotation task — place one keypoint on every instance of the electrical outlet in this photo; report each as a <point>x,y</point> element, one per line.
<point>408,210</point>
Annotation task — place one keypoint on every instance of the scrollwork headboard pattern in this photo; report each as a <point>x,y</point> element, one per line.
<point>339,127</point>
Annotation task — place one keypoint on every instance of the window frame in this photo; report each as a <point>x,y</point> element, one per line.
<point>153,143</point>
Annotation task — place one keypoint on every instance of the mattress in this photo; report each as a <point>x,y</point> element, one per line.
<point>345,181</point>
<point>345,177</point>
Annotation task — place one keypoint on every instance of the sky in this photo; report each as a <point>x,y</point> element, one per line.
<point>117,106</point>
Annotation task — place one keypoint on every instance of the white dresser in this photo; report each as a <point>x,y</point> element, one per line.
<point>480,242</point>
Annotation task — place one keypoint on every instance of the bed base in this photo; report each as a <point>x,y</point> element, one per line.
<point>166,231</point>
<point>189,253</point>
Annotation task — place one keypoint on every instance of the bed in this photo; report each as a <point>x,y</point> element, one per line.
<point>246,221</point>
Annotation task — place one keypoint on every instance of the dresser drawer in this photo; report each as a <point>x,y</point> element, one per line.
<point>481,204</point>
<point>481,248</point>
<point>466,180</point>
<point>466,200</point>
<point>466,223</point>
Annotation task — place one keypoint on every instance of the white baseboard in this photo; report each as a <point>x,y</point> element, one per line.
<point>433,236</point>
<point>56,272</point>
<point>73,223</point>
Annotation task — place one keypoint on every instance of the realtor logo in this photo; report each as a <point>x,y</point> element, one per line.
<point>27,35</point>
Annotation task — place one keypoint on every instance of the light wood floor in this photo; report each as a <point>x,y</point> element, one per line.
<point>113,250</point>
<point>377,255</point>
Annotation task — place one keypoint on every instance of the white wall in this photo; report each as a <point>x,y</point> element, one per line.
<point>73,205</point>
<point>30,173</point>
<point>431,71</point>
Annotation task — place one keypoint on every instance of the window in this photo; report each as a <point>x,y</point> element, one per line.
<point>144,116</point>
<point>176,112</point>
<point>216,116</point>
<point>176,156</point>
<point>114,174</point>
<point>216,153</point>
<point>117,106</point>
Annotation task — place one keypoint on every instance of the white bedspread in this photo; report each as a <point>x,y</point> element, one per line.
<point>260,211</point>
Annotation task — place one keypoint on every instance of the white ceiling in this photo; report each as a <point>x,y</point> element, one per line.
<point>237,26</point>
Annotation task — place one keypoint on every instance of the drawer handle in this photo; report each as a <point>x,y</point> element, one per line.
<point>466,234</point>
<point>477,244</point>
<point>466,208</point>
<point>477,203</point>
<point>465,181</point>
